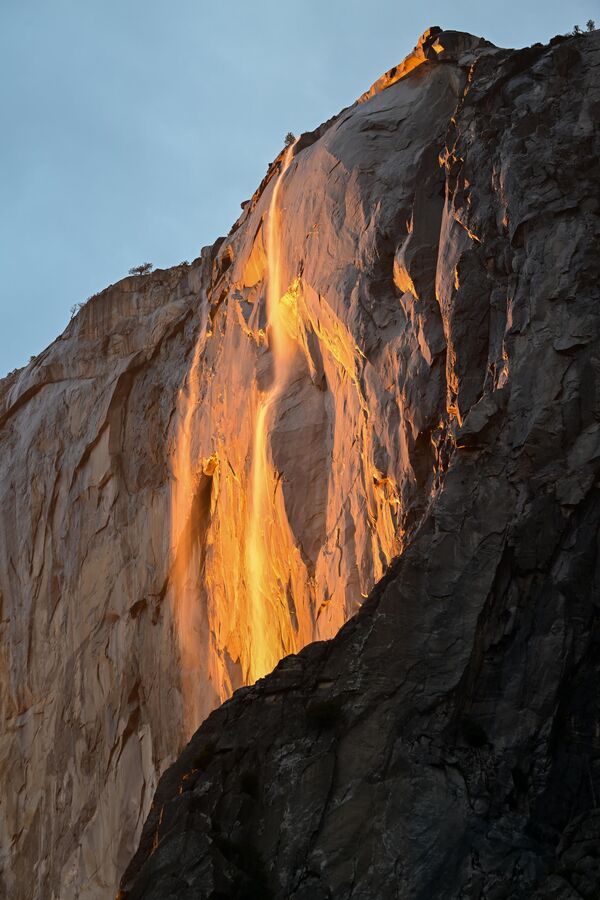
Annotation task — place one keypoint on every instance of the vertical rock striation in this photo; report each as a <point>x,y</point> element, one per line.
<point>446,743</point>
<point>128,451</point>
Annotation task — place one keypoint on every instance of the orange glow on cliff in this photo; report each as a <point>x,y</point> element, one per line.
<point>263,590</point>
<point>185,600</point>
<point>260,565</point>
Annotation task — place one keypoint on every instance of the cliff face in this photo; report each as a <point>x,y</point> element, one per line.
<point>214,464</point>
<point>441,237</point>
<point>393,353</point>
<point>84,557</point>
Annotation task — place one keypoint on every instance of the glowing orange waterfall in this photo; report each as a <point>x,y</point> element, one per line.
<point>262,588</point>
<point>184,596</point>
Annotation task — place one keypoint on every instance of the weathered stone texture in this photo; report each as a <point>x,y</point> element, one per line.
<point>446,743</point>
<point>127,451</point>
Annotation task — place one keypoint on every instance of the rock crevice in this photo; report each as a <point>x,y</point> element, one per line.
<point>435,448</point>
<point>444,743</point>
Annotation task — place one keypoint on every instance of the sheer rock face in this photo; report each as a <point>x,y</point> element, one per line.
<point>126,485</point>
<point>446,742</point>
<point>84,552</point>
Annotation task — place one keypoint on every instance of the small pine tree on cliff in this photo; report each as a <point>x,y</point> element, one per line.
<point>144,269</point>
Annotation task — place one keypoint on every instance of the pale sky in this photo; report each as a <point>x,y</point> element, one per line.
<point>133,129</point>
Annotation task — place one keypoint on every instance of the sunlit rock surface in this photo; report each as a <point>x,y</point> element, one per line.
<point>440,241</point>
<point>172,524</point>
<point>432,247</point>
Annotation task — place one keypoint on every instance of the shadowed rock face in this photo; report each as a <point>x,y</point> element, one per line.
<point>435,243</point>
<point>446,743</point>
<point>128,510</point>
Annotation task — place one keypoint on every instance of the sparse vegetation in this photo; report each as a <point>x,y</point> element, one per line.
<point>590,25</point>
<point>77,306</point>
<point>144,269</point>
<point>289,138</point>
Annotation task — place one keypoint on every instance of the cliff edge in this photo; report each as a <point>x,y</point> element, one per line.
<point>445,743</point>
<point>383,383</point>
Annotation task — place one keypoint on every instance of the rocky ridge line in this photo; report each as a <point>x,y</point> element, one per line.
<point>445,743</point>
<point>174,364</point>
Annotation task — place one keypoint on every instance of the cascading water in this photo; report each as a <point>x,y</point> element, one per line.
<point>269,633</point>
<point>185,599</point>
<point>262,591</point>
<point>269,546</point>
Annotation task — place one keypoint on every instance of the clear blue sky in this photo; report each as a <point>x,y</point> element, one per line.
<point>132,129</point>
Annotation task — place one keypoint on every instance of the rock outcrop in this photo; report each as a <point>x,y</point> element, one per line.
<point>171,525</point>
<point>180,510</point>
<point>446,743</point>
